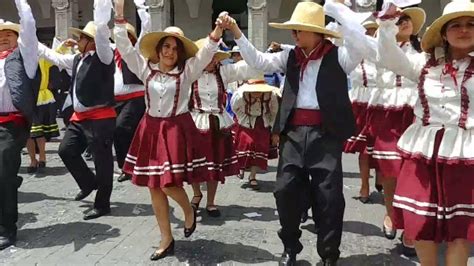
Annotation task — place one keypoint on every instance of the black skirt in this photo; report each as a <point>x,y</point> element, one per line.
<point>44,122</point>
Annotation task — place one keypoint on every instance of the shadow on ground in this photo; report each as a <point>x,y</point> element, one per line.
<point>78,233</point>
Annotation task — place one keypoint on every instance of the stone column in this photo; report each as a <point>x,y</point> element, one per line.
<point>258,23</point>
<point>63,18</point>
<point>159,13</point>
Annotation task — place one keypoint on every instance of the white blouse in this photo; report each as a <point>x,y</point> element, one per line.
<point>166,94</point>
<point>363,81</point>
<point>440,104</point>
<point>248,109</point>
<point>392,90</point>
<point>205,97</point>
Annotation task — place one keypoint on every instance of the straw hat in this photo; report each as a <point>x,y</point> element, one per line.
<point>257,84</point>
<point>307,16</point>
<point>7,25</point>
<point>220,55</point>
<point>149,42</point>
<point>89,30</point>
<point>370,24</point>
<point>417,16</point>
<point>432,37</point>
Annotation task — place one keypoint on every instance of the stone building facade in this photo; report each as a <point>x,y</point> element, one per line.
<point>195,17</point>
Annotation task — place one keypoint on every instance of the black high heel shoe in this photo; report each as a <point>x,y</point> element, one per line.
<point>165,253</point>
<point>189,231</point>
<point>389,233</point>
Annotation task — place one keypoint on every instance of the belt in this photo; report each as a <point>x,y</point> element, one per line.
<point>305,117</point>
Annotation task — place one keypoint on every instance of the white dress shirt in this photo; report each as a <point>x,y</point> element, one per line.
<point>27,41</point>
<point>349,56</point>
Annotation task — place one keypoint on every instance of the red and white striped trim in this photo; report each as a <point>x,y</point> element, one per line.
<point>220,166</point>
<point>253,154</point>
<point>384,155</point>
<point>433,209</point>
<point>165,167</point>
<point>360,137</point>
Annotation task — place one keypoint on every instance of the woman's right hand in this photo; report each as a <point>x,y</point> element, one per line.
<point>230,24</point>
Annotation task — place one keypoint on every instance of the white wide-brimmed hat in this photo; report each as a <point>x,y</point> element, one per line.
<point>7,25</point>
<point>456,9</point>
<point>307,16</point>
<point>90,30</point>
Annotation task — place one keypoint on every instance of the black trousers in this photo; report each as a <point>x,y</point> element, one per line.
<point>129,114</point>
<point>98,135</point>
<point>12,140</point>
<point>309,151</point>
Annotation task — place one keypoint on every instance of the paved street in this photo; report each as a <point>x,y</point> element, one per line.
<point>52,231</point>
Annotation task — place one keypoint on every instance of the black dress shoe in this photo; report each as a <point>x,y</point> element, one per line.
<point>7,240</point>
<point>287,259</point>
<point>167,252</point>
<point>389,233</point>
<point>124,177</point>
<point>329,262</point>
<point>189,231</point>
<point>82,195</point>
<point>408,251</point>
<point>96,213</point>
<point>379,187</point>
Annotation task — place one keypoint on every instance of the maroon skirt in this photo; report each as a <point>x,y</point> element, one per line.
<point>252,145</point>
<point>164,152</point>
<point>434,201</point>
<point>358,142</point>
<point>221,159</point>
<point>384,129</point>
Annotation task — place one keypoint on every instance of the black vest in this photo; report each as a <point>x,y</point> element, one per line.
<point>94,81</point>
<point>128,76</point>
<point>333,98</point>
<point>23,90</point>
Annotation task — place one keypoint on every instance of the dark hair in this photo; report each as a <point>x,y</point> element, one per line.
<point>181,52</point>
<point>415,42</point>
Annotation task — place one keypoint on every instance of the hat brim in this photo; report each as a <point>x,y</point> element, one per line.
<point>77,32</point>
<point>417,16</point>
<point>289,25</point>
<point>221,55</point>
<point>12,27</point>
<point>150,40</point>
<point>432,37</point>
<point>257,88</point>
<point>370,25</point>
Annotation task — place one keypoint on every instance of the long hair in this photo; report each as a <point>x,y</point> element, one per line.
<point>415,42</point>
<point>181,52</point>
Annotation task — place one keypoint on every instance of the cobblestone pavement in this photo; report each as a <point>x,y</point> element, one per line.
<point>52,231</point>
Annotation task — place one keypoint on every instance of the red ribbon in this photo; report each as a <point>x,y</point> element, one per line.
<point>452,71</point>
<point>6,53</point>
<point>321,50</point>
<point>118,59</point>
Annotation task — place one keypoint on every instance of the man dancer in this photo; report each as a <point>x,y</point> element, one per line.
<point>314,119</point>
<point>93,121</point>
<point>19,85</point>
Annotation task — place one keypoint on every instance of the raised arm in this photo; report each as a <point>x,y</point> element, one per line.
<point>130,55</point>
<point>144,18</point>
<point>355,46</point>
<point>62,61</point>
<point>238,71</point>
<point>27,41</point>
<point>392,57</point>
<point>102,14</point>
<point>195,65</point>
